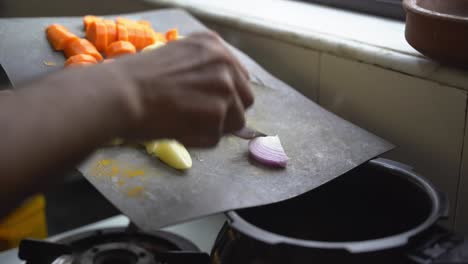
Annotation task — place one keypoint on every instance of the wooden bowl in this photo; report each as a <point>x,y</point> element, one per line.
<point>439,29</point>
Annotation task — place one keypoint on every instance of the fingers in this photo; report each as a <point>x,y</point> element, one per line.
<point>221,53</point>
<point>217,85</point>
<point>243,89</point>
<point>204,121</point>
<point>224,82</point>
<point>235,119</point>
<point>194,90</point>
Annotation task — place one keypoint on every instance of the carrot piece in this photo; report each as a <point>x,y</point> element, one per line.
<point>145,23</point>
<point>125,21</point>
<point>149,37</point>
<point>81,46</point>
<point>159,37</point>
<point>80,64</point>
<point>59,36</point>
<point>172,34</point>
<point>87,20</point>
<point>139,37</point>
<point>111,31</point>
<point>131,33</point>
<point>97,34</point>
<point>120,48</point>
<point>122,32</point>
<point>80,58</point>
<point>136,35</point>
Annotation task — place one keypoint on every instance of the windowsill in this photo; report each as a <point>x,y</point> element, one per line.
<point>360,37</point>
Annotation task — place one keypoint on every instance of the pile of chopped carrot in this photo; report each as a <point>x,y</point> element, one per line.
<point>105,39</point>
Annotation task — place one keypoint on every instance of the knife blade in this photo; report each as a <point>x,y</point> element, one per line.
<point>249,133</point>
<point>5,82</point>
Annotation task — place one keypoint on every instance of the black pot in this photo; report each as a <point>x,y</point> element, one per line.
<point>372,214</point>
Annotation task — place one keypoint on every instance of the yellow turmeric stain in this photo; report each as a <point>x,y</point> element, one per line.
<point>111,168</point>
<point>120,182</point>
<point>135,191</point>
<point>105,162</point>
<point>49,63</point>
<point>133,173</point>
<point>103,168</point>
<point>115,170</point>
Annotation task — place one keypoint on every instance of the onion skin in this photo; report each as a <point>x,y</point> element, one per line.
<point>268,151</point>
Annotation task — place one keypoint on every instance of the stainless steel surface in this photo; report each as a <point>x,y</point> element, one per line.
<point>321,145</point>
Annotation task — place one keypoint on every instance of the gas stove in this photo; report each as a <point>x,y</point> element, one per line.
<point>114,245</point>
<point>116,240</point>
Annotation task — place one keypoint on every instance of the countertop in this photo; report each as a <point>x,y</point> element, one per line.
<point>370,39</point>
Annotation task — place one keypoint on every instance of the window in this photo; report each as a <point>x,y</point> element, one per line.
<point>386,8</point>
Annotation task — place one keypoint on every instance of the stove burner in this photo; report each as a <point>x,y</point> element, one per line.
<point>113,246</point>
<point>117,253</point>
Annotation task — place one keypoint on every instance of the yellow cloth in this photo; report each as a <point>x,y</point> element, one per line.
<point>27,221</point>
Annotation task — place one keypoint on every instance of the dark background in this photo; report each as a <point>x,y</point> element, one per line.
<point>31,8</point>
<point>27,8</point>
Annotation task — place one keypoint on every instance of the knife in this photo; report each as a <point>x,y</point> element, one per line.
<point>5,82</point>
<point>249,133</point>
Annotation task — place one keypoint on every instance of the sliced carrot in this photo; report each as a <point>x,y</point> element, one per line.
<point>81,58</point>
<point>120,48</point>
<point>87,20</point>
<point>80,64</point>
<point>111,31</point>
<point>136,35</point>
<point>59,36</point>
<point>172,34</point>
<point>145,23</point>
<point>81,46</point>
<point>97,34</point>
<point>159,37</point>
<point>122,32</point>
<point>131,30</point>
<point>149,37</point>
<point>139,37</point>
<point>125,21</point>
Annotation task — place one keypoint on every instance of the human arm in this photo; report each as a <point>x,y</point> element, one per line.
<point>192,90</point>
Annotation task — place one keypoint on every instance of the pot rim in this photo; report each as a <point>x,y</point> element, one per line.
<point>413,7</point>
<point>439,209</point>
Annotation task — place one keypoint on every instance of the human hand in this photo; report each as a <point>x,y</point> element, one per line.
<point>192,90</point>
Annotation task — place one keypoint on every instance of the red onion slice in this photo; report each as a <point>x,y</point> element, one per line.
<point>268,151</point>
